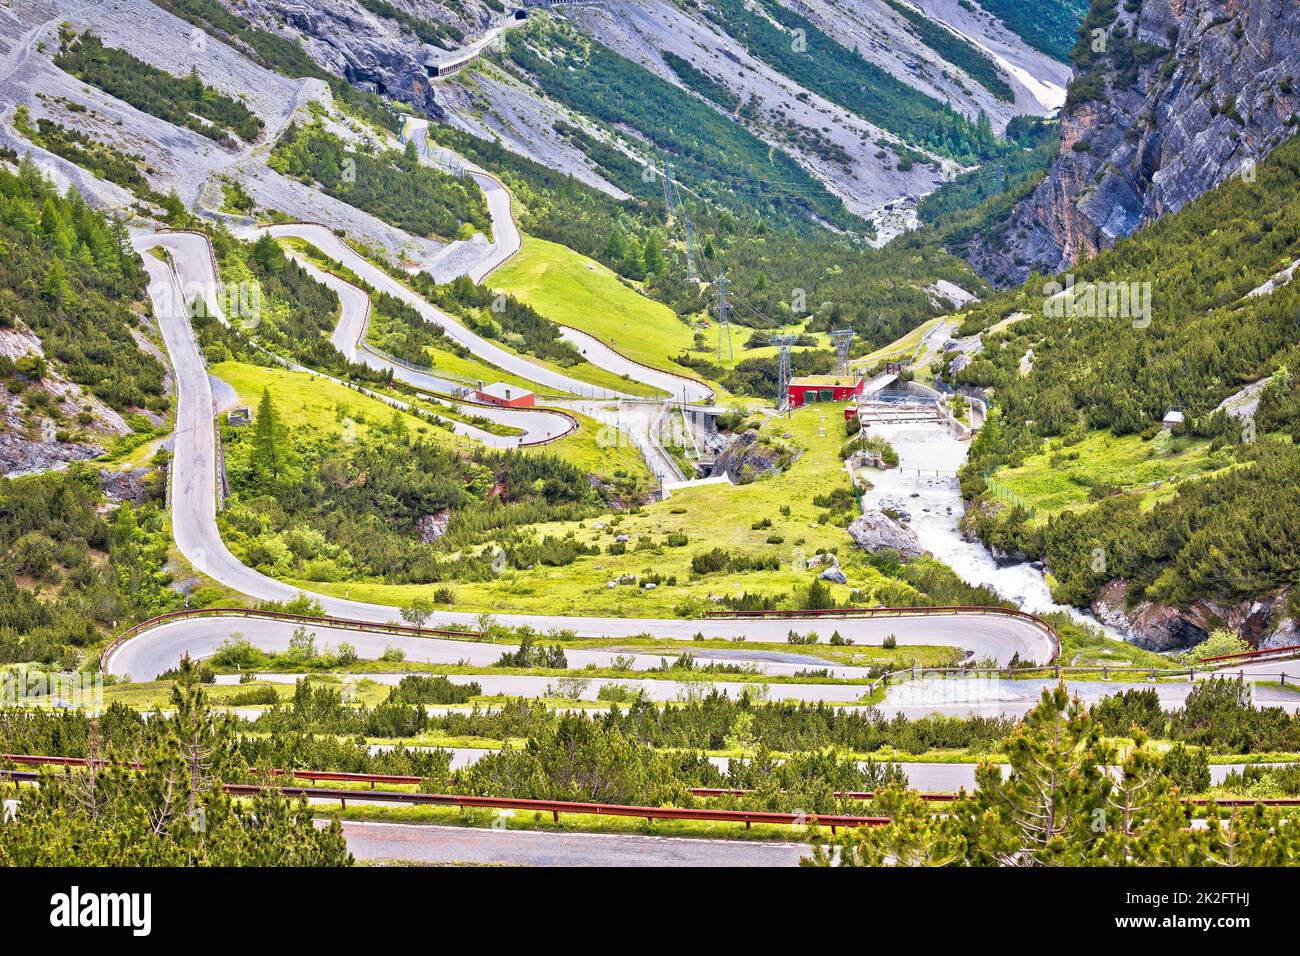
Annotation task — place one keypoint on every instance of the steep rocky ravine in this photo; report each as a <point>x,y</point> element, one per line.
<point>1178,96</point>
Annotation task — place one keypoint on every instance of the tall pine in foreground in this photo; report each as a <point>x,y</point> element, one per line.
<point>170,811</point>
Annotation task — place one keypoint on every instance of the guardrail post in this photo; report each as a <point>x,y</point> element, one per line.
<point>1282,679</point>
<point>1105,672</point>
<point>1191,675</point>
<point>1153,675</point>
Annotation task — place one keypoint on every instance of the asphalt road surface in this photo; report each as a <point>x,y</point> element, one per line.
<point>156,650</point>
<point>996,697</point>
<point>441,844</point>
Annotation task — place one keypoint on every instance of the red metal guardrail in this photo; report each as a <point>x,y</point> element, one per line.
<point>556,807</point>
<point>553,807</point>
<point>869,612</point>
<point>1251,655</point>
<point>337,623</point>
<point>340,776</point>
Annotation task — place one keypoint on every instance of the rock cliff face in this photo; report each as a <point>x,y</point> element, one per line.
<point>1169,100</point>
<point>372,51</point>
<point>1264,623</point>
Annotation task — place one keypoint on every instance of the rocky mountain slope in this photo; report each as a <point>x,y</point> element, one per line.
<point>386,47</point>
<point>172,158</point>
<point>1169,99</point>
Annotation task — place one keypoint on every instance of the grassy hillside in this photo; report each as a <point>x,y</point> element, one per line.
<point>590,449</point>
<point>309,401</point>
<point>1072,476</point>
<point>576,291</point>
<point>879,292</point>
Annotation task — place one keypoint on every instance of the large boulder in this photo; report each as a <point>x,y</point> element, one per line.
<point>876,531</point>
<point>747,459</point>
<point>834,574</point>
<point>132,486</point>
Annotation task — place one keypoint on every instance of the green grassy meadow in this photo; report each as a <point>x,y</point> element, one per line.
<point>710,516</point>
<point>1061,478</point>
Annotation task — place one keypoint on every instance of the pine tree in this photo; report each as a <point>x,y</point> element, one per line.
<point>653,254</point>
<point>616,244</point>
<point>1060,805</point>
<point>268,436</point>
<point>55,287</point>
<point>170,810</point>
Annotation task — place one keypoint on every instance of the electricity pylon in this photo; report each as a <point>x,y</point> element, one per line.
<point>673,202</point>
<point>842,338</point>
<point>724,319</point>
<point>783,345</point>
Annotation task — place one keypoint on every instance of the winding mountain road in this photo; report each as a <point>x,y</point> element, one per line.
<point>338,250</point>
<point>507,241</point>
<point>192,490</point>
<point>538,425</point>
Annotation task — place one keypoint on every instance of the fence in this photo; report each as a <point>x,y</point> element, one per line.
<point>1000,490</point>
<point>1288,651</point>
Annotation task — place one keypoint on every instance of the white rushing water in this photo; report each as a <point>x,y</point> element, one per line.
<point>924,485</point>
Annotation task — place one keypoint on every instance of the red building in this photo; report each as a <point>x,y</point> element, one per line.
<point>507,396</point>
<point>823,388</point>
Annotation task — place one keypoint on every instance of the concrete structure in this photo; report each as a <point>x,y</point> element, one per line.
<point>822,388</point>
<point>507,396</point>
